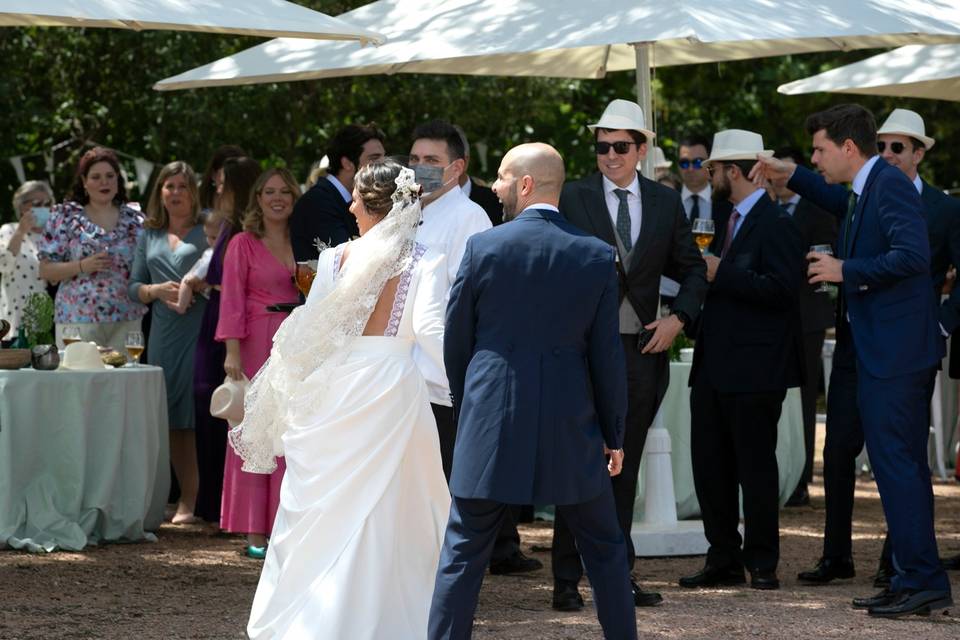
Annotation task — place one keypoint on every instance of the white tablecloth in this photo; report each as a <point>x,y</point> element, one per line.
<point>676,419</point>
<point>84,456</point>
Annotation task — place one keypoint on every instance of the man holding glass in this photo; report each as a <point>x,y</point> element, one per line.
<point>646,223</point>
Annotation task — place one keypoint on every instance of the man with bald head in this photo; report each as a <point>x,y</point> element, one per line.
<point>541,393</point>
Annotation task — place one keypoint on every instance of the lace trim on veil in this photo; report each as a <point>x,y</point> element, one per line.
<point>315,338</point>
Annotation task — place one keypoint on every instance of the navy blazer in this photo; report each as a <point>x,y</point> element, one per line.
<point>320,213</point>
<point>943,223</point>
<point>536,367</point>
<point>886,277</point>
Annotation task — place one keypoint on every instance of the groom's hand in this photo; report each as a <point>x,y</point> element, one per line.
<point>615,464</point>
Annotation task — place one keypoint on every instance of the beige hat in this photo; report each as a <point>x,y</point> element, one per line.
<point>907,123</point>
<point>737,144</point>
<point>79,356</point>
<point>227,400</point>
<point>623,114</point>
<point>660,159</point>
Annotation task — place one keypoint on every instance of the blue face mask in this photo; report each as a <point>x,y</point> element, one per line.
<point>40,216</point>
<point>430,178</point>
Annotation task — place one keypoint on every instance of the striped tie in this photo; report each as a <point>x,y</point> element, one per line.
<point>623,219</point>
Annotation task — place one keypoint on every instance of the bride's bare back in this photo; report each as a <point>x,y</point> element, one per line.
<point>380,317</point>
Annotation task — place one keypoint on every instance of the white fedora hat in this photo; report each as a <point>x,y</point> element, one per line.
<point>227,400</point>
<point>623,114</point>
<point>82,355</point>
<point>907,123</point>
<point>660,159</point>
<point>737,144</point>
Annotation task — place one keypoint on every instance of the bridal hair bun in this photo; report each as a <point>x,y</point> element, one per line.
<point>382,184</point>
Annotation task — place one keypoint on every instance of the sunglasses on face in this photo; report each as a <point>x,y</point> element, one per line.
<point>896,147</point>
<point>619,147</point>
<point>696,163</point>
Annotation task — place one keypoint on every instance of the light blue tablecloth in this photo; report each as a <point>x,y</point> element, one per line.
<point>84,457</point>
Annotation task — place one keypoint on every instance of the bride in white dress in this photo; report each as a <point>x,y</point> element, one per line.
<point>364,503</point>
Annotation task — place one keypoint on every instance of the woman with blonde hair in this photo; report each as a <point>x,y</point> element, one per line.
<point>258,271</point>
<point>171,242</point>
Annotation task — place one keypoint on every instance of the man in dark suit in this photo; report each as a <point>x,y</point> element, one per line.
<point>481,194</point>
<point>541,393</point>
<point>888,342</point>
<point>645,222</point>
<point>748,352</point>
<point>323,212</point>
<point>816,312</point>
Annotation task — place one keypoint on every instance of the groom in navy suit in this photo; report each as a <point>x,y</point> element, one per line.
<point>533,354</point>
<point>888,339</point>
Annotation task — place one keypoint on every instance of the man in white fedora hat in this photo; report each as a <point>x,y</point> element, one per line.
<point>889,345</point>
<point>748,353</point>
<point>646,224</point>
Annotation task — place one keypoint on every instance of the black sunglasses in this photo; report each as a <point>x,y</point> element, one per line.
<point>696,163</point>
<point>620,147</point>
<point>896,147</point>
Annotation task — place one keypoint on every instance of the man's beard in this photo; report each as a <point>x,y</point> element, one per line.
<point>510,204</point>
<point>721,192</point>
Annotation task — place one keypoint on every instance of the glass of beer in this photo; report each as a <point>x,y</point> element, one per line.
<point>703,233</point>
<point>70,335</point>
<point>134,345</point>
<point>304,275</point>
<point>827,250</point>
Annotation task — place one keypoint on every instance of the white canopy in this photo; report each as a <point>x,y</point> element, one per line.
<point>264,18</point>
<point>580,39</point>
<point>915,71</point>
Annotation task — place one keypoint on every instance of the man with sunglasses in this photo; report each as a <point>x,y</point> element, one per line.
<point>646,223</point>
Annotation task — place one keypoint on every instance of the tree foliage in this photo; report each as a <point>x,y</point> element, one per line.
<point>79,85</point>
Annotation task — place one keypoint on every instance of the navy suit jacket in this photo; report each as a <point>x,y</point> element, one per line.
<point>321,213</point>
<point>886,276</point>
<point>943,223</point>
<point>536,367</point>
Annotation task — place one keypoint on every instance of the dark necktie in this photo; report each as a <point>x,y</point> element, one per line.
<point>848,224</point>
<point>623,219</point>
<point>695,209</point>
<point>731,227</point>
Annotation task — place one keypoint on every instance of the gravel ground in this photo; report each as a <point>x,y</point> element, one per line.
<point>195,584</point>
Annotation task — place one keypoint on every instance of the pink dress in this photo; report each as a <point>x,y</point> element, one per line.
<point>252,279</point>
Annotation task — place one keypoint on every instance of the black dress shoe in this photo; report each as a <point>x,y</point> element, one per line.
<point>800,496</point>
<point>828,569</point>
<point>885,573</point>
<point>566,596</point>
<point>711,576</point>
<point>908,603</point>
<point>884,597</point>
<point>951,564</point>
<point>643,598</point>
<point>764,580</point>
<point>517,563</point>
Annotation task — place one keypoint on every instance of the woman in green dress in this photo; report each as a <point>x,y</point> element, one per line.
<point>171,242</point>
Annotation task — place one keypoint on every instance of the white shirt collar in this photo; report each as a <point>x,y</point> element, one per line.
<point>541,205</point>
<point>467,187</point>
<point>860,180</point>
<point>746,205</point>
<point>347,197</point>
<point>703,193</point>
<point>633,187</point>
<point>918,183</point>
<point>794,200</point>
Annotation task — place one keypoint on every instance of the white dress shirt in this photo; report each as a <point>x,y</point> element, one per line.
<point>633,205</point>
<point>706,205</point>
<point>790,206</point>
<point>346,195</point>
<point>447,223</point>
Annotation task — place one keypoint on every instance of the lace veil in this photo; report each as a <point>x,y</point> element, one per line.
<point>312,341</point>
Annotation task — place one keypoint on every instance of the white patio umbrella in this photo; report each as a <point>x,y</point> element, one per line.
<point>577,39</point>
<point>915,71</point>
<point>264,18</point>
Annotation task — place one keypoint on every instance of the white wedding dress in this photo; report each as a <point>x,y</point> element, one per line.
<point>364,503</point>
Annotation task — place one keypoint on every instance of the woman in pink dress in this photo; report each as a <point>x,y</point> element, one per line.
<point>258,271</point>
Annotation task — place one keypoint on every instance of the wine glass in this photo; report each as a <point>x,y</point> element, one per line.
<point>69,335</point>
<point>304,275</point>
<point>703,231</point>
<point>826,250</point>
<point>134,345</point>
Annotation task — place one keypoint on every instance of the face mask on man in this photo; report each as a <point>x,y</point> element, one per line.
<point>430,178</point>
<point>40,216</point>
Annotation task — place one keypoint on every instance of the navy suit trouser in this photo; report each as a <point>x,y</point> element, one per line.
<point>468,543</point>
<point>896,428</point>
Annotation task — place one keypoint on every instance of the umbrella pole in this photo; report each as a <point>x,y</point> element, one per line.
<point>645,99</point>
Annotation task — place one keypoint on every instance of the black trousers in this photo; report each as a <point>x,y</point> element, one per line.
<point>508,538</point>
<point>647,379</point>
<point>812,350</point>
<point>733,446</point>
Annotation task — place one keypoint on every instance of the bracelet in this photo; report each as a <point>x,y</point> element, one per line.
<point>80,265</point>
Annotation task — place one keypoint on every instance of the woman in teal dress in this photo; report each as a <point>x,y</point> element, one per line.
<point>171,242</point>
